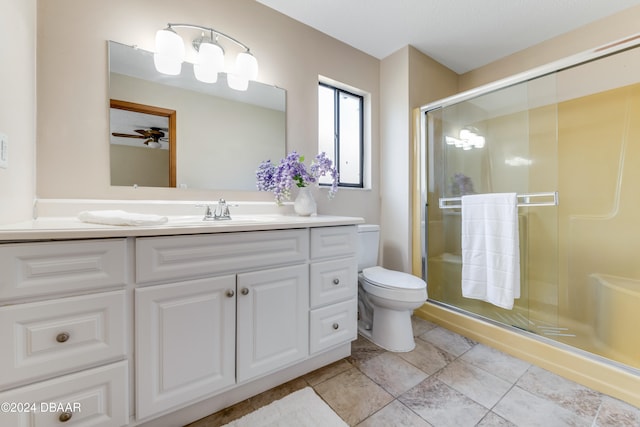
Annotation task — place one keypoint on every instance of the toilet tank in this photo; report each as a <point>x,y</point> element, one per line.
<point>368,240</point>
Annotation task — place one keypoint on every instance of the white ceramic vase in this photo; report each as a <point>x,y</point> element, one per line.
<point>305,204</point>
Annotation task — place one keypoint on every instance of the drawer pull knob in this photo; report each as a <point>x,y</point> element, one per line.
<point>230,293</point>
<point>245,291</point>
<point>336,326</point>
<point>62,337</point>
<point>65,416</point>
<point>336,281</point>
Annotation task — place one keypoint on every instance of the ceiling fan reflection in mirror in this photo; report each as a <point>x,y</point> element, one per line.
<point>153,136</point>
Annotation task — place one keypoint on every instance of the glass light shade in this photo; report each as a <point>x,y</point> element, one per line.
<point>169,52</point>
<point>247,66</point>
<point>237,82</point>
<point>209,62</point>
<point>169,43</point>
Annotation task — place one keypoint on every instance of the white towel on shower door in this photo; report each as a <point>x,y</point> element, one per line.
<point>490,248</point>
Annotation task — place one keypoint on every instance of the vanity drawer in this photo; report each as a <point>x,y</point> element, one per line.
<point>333,281</point>
<point>49,268</point>
<point>162,259</point>
<point>333,325</point>
<point>331,242</point>
<point>96,397</point>
<point>46,338</point>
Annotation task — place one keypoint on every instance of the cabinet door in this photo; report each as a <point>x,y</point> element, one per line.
<point>185,342</point>
<point>273,324</point>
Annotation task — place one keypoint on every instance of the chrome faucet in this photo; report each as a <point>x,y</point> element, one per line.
<point>222,211</point>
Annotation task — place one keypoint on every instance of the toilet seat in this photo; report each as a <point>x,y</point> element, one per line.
<point>392,279</point>
<point>393,285</point>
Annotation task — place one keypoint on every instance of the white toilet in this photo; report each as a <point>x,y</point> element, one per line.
<point>386,298</point>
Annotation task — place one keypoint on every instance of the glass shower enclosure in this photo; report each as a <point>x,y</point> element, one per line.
<point>567,141</point>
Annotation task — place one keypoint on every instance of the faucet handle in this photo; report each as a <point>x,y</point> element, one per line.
<point>208,215</point>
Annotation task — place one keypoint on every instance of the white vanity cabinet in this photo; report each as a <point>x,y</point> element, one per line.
<point>240,311</point>
<point>64,331</point>
<point>174,325</point>
<point>334,287</point>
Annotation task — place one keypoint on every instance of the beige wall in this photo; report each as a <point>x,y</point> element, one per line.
<point>141,165</point>
<point>604,31</point>
<point>18,107</point>
<point>394,160</point>
<point>73,149</point>
<point>408,79</point>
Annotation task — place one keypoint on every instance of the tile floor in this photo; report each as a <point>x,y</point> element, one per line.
<point>448,380</point>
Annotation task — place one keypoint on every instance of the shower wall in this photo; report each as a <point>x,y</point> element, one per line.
<point>599,236</point>
<point>569,132</point>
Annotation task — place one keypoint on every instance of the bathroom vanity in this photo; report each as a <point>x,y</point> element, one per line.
<point>119,326</point>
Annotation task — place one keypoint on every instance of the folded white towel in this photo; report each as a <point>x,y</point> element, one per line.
<point>490,248</point>
<point>118,217</point>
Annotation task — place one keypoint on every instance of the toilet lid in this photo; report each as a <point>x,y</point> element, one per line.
<point>391,279</point>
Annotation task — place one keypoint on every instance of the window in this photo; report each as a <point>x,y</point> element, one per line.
<point>340,132</point>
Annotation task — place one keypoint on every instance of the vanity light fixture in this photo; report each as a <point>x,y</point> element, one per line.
<point>170,53</point>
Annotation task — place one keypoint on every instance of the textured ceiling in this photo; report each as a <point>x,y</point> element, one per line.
<point>461,34</point>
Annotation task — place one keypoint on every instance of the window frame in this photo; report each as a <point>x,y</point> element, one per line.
<point>337,91</point>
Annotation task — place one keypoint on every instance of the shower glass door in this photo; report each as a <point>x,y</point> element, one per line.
<point>502,141</point>
<point>575,132</point>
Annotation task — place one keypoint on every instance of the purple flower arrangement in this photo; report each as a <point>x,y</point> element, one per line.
<point>461,185</point>
<point>280,178</point>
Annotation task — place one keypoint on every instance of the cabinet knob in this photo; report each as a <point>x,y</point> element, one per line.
<point>336,281</point>
<point>62,337</point>
<point>65,416</point>
<point>230,293</point>
<point>245,291</point>
<point>336,326</point>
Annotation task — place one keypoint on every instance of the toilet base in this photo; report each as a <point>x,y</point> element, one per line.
<point>391,330</point>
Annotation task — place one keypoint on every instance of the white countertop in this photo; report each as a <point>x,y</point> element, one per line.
<point>46,228</point>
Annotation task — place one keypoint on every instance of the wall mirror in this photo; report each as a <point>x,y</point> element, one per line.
<point>219,135</point>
